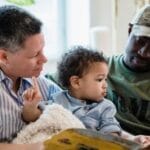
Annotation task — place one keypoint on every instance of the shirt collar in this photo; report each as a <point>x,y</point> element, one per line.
<point>79,102</point>
<point>74,100</point>
<point>2,76</point>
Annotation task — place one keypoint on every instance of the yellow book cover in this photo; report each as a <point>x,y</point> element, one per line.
<point>84,139</point>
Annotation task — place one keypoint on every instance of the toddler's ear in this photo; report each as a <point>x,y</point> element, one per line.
<point>74,82</point>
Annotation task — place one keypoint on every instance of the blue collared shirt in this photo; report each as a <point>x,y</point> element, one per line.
<point>97,116</point>
<point>11,103</point>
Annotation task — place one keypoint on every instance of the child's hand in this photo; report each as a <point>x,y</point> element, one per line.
<point>143,140</point>
<point>32,95</point>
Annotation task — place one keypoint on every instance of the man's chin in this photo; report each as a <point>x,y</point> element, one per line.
<point>37,75</point>
<point>139,68</point>
<point>33,75</point>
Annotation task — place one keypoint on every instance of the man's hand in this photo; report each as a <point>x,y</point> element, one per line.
<point>32,96</point>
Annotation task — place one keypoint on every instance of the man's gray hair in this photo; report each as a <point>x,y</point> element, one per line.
<point>16,25</point>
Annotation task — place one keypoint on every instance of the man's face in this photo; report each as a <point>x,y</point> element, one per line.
<point>137,54</point>
<point>28,61</point>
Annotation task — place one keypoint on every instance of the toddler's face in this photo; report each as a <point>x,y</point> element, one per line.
<point>93,85</point>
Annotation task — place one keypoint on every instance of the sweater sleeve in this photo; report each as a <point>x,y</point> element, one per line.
<point>108,122</point>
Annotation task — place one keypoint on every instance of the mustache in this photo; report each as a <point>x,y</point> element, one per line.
<point>142,59</point>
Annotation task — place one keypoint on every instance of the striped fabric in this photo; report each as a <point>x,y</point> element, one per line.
<point>11,104</point>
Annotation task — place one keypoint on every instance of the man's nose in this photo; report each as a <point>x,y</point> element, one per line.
<point>145,51</point>
<point>42,59</point>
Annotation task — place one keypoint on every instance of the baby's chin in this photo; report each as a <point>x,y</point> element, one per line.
<point>100,99</point>
<point>94,99</point>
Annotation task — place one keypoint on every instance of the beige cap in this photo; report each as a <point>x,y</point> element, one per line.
<point>139,30</point>
<point>142,17</point>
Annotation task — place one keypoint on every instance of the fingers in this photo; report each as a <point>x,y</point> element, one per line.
<point>24,95</point>
<point>143,140</point>
<point>35,83</point>
<point>33,93</point>
<point>37,93</point>
<point>28,94</point>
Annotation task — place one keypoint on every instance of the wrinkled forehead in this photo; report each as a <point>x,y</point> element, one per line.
<point>140,30</point>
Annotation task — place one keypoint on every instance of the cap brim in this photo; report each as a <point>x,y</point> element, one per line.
<point>140,30</point>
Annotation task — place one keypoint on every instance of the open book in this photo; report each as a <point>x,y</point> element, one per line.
<point>85,139</point>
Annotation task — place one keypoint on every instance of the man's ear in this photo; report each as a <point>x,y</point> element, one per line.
<point>75,82</point>
<point>130,28</point>
<point>3,56</point>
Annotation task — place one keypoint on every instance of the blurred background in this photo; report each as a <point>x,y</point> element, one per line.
<point>100,24</point>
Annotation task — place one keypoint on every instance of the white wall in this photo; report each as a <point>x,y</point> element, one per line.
<point>114,14</point>
<point>101,16</point>
<point>124,13</point>
<point>77,22</point>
